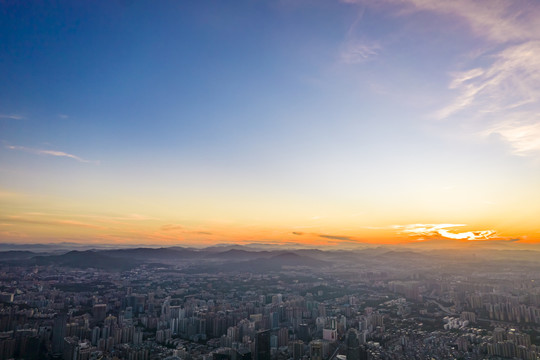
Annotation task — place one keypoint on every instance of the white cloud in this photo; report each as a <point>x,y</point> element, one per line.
<point>50,153</point>
<point>504,95</point>
<point>444,230</point>
<point>11,116</point>
<point>510,82</point>
<point>356,52</point>
<point>507,83</point>
<point>523,135</point>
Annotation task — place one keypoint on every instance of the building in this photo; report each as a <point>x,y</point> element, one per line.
<point>59,332</point>
<point>262,345</point>
<point>316,350</point>
<point>99,311</point>
<point>353,345</point>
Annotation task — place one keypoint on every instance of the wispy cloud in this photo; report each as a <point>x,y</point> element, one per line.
<point>51,153</point>
<point>356,48</point>
<point>176,229</point>
<point>509,82</point>
<point>336,237</point>
<point>443,230</point>
<point>355,52</point>
<point>171,227</point>
<point>11,116</point>
<point>497,89</point>
<point>498,21</point>
<point>508,86</point>
<point>523,133</point>
<point>48,222</point>
<point>328,236</point>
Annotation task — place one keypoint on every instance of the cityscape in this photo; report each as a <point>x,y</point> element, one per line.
<point>233,302</point>
<point>270,180</point>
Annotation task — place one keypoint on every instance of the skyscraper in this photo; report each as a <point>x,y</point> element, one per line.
<point>353,345</point>
<point>59,332</point>
<point>316,350</point>
<point>99,311</point>
<point>262,345</point>
<point>297,349</point>
<point>303,333</point>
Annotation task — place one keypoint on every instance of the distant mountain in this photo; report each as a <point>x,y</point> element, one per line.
<point>264,264</point>
<point>218,257</point>
<point>154,254</point>
<point>238,255</point>
<point>248,259</point>
<point>16,255</point>
<point>286,259</point>
<point>86,259</point>
<point>225,247</point>
<point>400,256</point>
<point>32,247</point>
<point>314,253</point>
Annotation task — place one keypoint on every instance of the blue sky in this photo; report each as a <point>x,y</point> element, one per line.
<point>272,113</point>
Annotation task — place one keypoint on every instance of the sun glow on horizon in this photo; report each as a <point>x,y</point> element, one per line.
<point>430,230</point>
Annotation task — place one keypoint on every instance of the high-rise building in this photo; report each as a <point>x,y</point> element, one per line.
<point>364,353</point>
<point>303,333</point>
<point>283,337</point>
<point>99,311</point>
<point>59,332</point>
<point>274,320</point>
<point>70,350</point>
<point>243,354</point>
<point>297,349</point>
<point>6,297</point>
<point>330,334</point>
<point>262,345</point>
<point>316,350</point>
<point>353,345</point>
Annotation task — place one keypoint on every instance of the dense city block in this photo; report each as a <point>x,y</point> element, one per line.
<point>248,303</point>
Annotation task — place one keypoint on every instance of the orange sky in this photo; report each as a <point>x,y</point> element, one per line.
<point>326,123</point>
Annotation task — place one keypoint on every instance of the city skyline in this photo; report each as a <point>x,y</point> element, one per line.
<point>311,123</point>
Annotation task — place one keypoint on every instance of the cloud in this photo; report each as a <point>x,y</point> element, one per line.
<point>51,153</point>
<point>508,86</point>
<point>337,237</point>
<point>137,217</point>
<point>327,236</point>
<point>444,230</point>
<point>170,227</point>
<point>509,82</point>
<point>504,96</point>
<point>498,21</point>
<point>356,52</point>
<point>497,89</point>
<point>357,49</point>
<point>11,116</point>
<point>522,133</point>
<point>52,222</point>
<point>176,229</point>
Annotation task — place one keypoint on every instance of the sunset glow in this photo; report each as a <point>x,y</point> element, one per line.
<point>314,123</point>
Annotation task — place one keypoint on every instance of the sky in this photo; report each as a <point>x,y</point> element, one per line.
<point>308,122</point>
